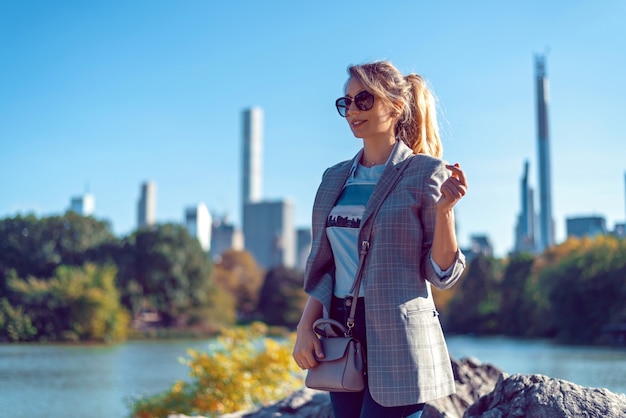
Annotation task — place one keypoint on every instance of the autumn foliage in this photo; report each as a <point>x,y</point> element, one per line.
<point>244,368</point>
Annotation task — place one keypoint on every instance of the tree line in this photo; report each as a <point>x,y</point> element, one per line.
<point>573,293</point>
<point>69,278</point>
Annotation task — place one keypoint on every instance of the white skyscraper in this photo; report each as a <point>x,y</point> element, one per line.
<point>252,126</point>
<point>146,207</point>
<point>84,205</point>
<point>198,221</point>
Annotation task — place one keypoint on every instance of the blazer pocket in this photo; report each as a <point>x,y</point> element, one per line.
<point>422,318</point>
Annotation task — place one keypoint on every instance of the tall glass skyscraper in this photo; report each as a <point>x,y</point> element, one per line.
<point>546,225</point>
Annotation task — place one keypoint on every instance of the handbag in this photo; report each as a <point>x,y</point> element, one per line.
<point>343,367</point>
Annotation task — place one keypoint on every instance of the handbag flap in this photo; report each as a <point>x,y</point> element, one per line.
<point>334,348</point>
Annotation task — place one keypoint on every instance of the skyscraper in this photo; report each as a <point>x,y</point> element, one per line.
<point>269,233</point>
<point>525,229</point>
<point>146,207</point>
<point>546,225</point>
<point>84,205</point>
<point>252,174</point>
<point>199,222</point>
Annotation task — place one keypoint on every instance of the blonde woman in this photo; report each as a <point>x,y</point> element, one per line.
<point>412,245</point>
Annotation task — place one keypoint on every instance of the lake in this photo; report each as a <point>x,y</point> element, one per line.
<point>65,381</point>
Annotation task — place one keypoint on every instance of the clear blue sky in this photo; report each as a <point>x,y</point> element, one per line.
<point>105,95</point>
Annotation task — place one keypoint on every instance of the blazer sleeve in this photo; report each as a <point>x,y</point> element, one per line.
<point>430,196</point>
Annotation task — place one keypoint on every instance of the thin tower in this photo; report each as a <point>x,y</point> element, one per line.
<point>146,207</point>
<point>252,155</point>
<point>546,229</point>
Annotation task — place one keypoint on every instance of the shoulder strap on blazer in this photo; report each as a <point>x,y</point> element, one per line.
<point>366,230</point>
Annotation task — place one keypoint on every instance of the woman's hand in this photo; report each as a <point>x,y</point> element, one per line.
<point>307,343</point>
<point>453,189</point>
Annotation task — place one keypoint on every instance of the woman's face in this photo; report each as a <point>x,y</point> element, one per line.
<point>378,122</point>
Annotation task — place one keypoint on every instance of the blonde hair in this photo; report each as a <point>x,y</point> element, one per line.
<point>417,124</point>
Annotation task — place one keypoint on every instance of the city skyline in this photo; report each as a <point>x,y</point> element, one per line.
<point>112,95</point>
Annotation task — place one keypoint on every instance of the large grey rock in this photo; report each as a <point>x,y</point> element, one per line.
<point>538,396</point>
<point>302,403</point>
<point>473,380</point>
<point>482,391</point>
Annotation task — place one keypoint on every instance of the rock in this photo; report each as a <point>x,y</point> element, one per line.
<point>302,403</point>
<point>538,396</point>
<point>482,391</point>
<point>473,379</point>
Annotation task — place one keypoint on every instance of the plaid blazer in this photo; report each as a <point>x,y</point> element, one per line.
<point>408,359</point>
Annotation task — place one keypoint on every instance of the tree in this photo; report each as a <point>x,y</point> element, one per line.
<point>76,304</point>
<point>15,325</point>
<point>244,369</point>
<point>239,275</point>
<point>475,306</point>
<point>164,268</point>
<point>282,298</point>
<point>586,289</point>
<point>36,247</point>
<point>514,306</point>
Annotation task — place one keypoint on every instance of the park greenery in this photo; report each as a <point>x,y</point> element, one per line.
<point>69,278</point>
<point>242,369</point>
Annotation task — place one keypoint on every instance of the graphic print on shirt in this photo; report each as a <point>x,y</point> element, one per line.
<point>348,211</point>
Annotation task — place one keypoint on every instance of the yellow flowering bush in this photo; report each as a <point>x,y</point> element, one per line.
<point>243,369</point>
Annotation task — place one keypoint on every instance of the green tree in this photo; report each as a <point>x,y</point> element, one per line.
<point>282,298</point>
<point>36,247</point>
<point>586,288</point>
<point>15,325</point>
<point>514,293</point>
<point>76,304</point>
<point>475,306</point>
<point>164,268</point>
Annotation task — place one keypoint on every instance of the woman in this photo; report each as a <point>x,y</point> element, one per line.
<point>412,245</point>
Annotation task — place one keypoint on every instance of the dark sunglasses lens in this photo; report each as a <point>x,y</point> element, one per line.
<point>342,106</point>
<point>364,100</point>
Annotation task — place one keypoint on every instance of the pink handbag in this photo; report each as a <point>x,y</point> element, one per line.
<point>343,367</point>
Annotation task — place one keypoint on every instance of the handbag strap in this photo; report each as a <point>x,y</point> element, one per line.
<point>366,231</point>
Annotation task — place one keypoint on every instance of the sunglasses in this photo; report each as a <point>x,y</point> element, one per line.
<point>364,100</point>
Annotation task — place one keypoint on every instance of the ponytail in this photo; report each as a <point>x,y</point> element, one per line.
<point>417,124</point>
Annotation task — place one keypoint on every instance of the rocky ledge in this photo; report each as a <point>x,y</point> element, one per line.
<point>482,391</point>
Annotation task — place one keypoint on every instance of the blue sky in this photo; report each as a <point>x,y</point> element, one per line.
<point>105,95</point>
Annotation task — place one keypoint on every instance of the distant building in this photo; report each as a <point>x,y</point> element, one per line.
<point>224,237</point>
<point>546,223</point>
<point>146,207</point>
<point>303,247</point>
<point>198,222</point>
<point>480,245</point>
<point>84,205</point>
<point>252,164</point>
<point>587,226</point>
<point>269,233</point>
<point>525,228</point>
<point>620,230</point>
